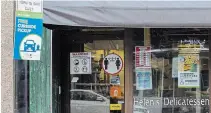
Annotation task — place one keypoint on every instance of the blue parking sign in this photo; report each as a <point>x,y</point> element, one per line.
<point>28,38</point>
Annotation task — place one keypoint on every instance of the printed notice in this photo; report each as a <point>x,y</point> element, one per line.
<point>188,71</point>
<point>143,79</point>
<point>112,64</point>
<point>142,57</point>
<point>175,67</point>
<point>80,63</point>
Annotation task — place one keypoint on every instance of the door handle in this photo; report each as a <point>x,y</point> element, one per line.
<point>59,90</point>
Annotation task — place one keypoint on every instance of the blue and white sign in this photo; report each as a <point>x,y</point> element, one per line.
<point>28,38</point>
<point>143,79</point>
<point>28,29</point>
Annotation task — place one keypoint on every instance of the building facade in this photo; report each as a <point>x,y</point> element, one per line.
<point>39,87</point>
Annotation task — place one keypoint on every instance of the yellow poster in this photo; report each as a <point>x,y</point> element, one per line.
<point>188,62</point>
<point>188,71</point>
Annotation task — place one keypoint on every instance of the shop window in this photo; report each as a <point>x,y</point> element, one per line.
<point>171,71</point>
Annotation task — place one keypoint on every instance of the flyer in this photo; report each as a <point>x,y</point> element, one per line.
<point>143,79</point>
<point>188,71</point>
<point>175,67</point>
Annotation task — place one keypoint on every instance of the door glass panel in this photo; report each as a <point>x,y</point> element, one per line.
<point>176,79</point>
<point>102,90</point>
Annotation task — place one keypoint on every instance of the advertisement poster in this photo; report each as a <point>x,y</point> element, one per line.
<point>143,79</point>
<point>80,63</point>
<point>142,57</point>
<point>175,67</point>
<point>28,30</point>
<point>188,71</point>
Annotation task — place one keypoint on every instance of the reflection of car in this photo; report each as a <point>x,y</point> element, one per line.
<point>87,101</point>
<point>29,44</point>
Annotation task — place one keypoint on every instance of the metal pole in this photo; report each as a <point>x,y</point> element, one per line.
<point>209,39</point>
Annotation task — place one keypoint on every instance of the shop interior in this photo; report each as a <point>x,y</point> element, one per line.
<point>92,93</point>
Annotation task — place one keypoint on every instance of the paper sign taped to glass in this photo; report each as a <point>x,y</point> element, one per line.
<point>188,71</point>
<point>143,79</point>
<point>175,67</point>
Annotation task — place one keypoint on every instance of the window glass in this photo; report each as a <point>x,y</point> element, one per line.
<point>102,90</point>
<point>89,96</point>
<point>171,71</point>
<point>76,96</point>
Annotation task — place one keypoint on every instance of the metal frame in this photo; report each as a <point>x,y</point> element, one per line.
<point>128,37</point>
<point>209,66</point>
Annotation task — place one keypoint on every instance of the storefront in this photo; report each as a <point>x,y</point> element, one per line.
<point>108,57</point>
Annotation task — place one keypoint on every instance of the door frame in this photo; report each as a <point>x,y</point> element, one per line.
<point>128,47</point>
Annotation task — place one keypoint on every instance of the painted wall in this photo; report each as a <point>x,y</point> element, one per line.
<point>7,78</point>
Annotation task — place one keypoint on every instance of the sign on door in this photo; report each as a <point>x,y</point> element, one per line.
<point>80,63</point>
<point>112,64</point>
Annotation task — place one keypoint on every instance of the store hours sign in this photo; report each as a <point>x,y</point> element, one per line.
<point>80,63</point>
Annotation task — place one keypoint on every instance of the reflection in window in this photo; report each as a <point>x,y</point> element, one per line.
<point>166,95</point>
<point>95,90</point>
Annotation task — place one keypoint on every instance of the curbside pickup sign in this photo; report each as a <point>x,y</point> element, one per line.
<point>28,29</point>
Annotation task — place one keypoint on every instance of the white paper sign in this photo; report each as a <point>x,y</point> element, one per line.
<point>175,67</point>
<point>112,64</point>
<point>30,5</point>
<point>80,63</point>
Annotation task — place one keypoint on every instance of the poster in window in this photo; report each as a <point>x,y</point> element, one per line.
<point>143,79</point>
<point>188,71</point>
<point>142,57</point>
<point>115,92</point>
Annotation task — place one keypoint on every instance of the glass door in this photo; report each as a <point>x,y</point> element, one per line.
<point>97,78</point>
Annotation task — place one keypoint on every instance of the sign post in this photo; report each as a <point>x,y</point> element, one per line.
<point>28,29</point>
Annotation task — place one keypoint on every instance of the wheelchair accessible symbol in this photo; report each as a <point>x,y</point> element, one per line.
<point>30,47</point>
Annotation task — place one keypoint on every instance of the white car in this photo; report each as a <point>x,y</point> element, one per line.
<point>87,101</point>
